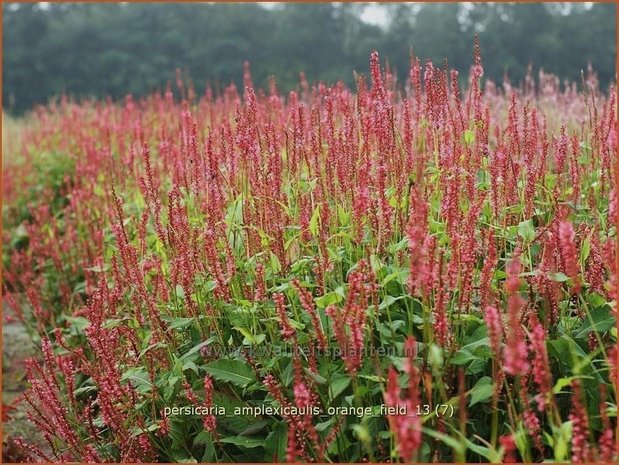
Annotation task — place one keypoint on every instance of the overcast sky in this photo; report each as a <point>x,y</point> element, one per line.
<point>374,12</point>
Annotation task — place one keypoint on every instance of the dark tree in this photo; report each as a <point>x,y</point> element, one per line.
<point>116,49</point>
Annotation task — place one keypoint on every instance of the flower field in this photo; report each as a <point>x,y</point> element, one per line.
<point>407,271</point>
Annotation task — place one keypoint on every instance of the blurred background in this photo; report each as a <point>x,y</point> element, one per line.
<point>111,50</point>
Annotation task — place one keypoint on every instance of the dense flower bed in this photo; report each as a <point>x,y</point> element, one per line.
<point>253,277</point>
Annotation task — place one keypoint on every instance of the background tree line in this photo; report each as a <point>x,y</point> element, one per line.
<point>117,49</point>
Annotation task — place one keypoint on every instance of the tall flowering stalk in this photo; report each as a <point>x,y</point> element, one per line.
<point>541,365</point>
<point>581,452</point>
<point>406,427</point>
<point>209,421</point>
<point>349,323</point>
<point>569,253</point>
<point>307,302</point>
<point>515,355</point>
<point>416,233</point>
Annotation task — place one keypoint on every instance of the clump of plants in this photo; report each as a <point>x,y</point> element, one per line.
<point>257,277</point>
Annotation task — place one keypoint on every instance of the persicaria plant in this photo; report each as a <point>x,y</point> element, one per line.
<point>210,252</point>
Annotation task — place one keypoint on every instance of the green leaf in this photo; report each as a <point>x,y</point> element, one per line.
<point>139,378</point>
<point>343,216</point>
<point>330,298</point>
<point>339,383</point>
<point>234,215</point>
<point>232,422</point>
<point>84,390</point>
<point>482,342</point>
<point>399,275</point>
<point>255,427</point>
<point>585,250</point>
<point>456,445</point>
<point>562,382</point>
<point>318,379</point>
<point>156,345</point>
<point>562,438</point>
<point>567,353</point>
<point>435,356</point>
<point>558,277</point>
<point>389,300</point>
<point>233,371</point>
<point>80,287</point>
<point>195,349</point>
<point>206,439</point>
<point>313,224</point>
<point>182,457</point>
<point>275,443</point>
<point>276,266</point>
<point>137,430</point>
<point>78,322</point>
<point>482,391</point>
<point>595,300</point>
<point>250,339</point>
<point>469,136</point>
<point>325,424</point>
<point>402,245</point>
<point>376,263</point>
<point>601,320</point>
<point>180,292</point>
<point>178,322</point>
<point>189,365</point>
<point>98,269</point>
<point>475,352</point>
<point>526,230</point>
<point>113,322</point>
<point>488,453</point>
<point>373,378</point>
<point>265,239</point>
<point>462,357</point>
<point>362,433</point>
<point>241,441</point>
